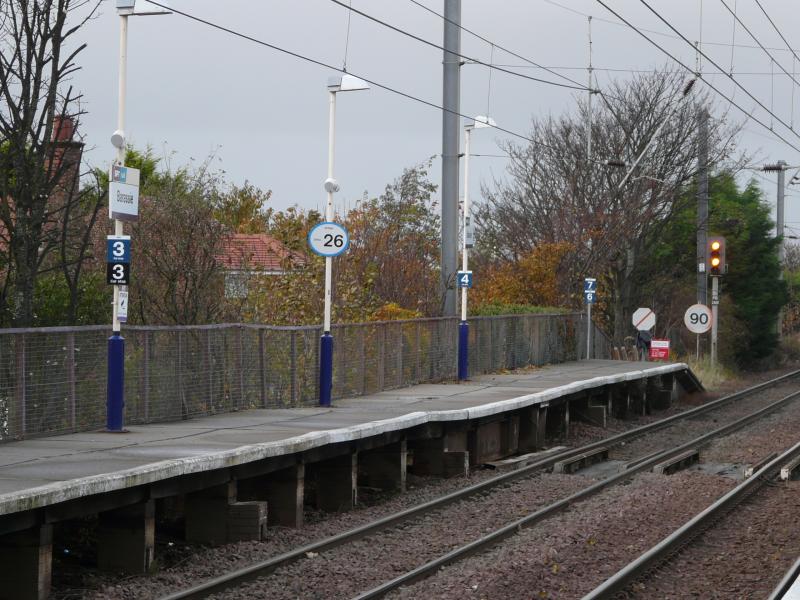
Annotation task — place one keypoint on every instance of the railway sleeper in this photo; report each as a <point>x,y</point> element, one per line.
<point>791,470</point>
<point>677,463</point>
<point>581,461</point>
<point>753,469</point>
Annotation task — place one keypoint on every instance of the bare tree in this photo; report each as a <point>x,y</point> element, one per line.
<point>34,66</point>
<point>554,194</point>
<point>177,275</point>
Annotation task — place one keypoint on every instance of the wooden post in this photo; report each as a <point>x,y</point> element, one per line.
<point>71,380</point>
<point>293,368</point>
<point>146,375</point>
<point>262,367</point>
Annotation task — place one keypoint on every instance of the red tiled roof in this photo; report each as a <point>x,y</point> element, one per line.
<point>258,252</point>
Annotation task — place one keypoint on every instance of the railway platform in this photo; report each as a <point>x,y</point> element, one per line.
<point>230,475</point>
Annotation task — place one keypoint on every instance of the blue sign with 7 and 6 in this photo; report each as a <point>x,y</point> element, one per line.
<point>118,249</point>
<point>590,290</point>
<point>464,279</point>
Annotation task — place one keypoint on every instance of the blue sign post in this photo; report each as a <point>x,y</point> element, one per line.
<point>589,295</point>
<point>464,281</point>
<point>118,260</point>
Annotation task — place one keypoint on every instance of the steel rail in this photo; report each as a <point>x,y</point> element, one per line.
<point>636,569</point>
<point>260,569</point>
<point>511,529</point>
<point>787,582</point>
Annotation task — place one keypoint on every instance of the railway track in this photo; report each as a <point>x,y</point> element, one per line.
<point>238,578</point>
<point>640,568</point>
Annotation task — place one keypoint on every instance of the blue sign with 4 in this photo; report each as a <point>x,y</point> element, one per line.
<point>464,279</point>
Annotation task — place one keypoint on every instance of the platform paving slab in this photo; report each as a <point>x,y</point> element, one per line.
<point>39,472</point>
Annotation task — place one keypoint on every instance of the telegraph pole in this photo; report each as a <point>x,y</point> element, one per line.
<point>450,147</point>
<point>780,167</point>
<point>702,205</point>
<point>702,210</point>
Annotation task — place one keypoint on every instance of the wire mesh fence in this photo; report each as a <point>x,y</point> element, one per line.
<point>53,380</point>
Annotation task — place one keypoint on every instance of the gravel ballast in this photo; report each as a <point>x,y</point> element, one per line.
<point>342,573</point>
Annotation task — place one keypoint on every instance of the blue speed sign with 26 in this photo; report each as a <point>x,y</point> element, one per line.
<point>328,239</point>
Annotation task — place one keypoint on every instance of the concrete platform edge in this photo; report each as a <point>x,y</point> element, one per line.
<point>75,488</point>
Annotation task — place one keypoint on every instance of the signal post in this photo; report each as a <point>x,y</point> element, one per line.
<point>716,264</point>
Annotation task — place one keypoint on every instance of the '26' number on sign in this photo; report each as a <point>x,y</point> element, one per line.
<point>701,318</point>
<point>333,241</point>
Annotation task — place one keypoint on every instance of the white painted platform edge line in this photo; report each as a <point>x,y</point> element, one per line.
<point>152,472</point>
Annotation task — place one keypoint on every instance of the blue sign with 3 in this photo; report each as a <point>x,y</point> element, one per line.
<point>118,249</point>
<point>464,279</point>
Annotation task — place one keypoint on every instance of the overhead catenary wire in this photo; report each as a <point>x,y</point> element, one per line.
<point>707,82</point>
<point>493,43</point>
<point>756,40</point>
<point>747,114</point>
<point>709,59</point>
<point>422,40</point>
<point>656,32</point>
<point>320,63</point>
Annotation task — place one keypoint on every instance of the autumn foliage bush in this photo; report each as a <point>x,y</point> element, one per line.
<point>531,280</point>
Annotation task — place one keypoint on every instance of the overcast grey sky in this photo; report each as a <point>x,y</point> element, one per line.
<point>194,90</point>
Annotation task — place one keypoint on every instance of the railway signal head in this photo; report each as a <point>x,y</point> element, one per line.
<point>716,256</point>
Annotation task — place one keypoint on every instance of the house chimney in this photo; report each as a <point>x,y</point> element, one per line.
<point>63,129</point>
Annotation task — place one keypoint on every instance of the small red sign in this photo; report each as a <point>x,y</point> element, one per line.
<point>659,349</point>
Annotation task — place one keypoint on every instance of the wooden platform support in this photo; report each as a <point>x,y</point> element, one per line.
<point>213,516</point>
<point>446,456</point>
<point>282,490</point>
<point>26,562</point>
<point>126,538</point>
<point>385,467</point>
<point>532,428</point>
<point>336,483</point>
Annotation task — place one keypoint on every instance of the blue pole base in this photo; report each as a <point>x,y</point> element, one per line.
<point>463,351</point>
<point>115,398</point>
<point>325,369</point>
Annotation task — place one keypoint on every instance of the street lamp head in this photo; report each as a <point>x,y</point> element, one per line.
<point>118,139</point>
<point>481,121</point>
<point>125,7</point>
<point>346,83</point>
<point>331,185</point>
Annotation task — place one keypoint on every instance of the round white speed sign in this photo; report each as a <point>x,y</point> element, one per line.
<point>328,239</point>
<point>698,318</point>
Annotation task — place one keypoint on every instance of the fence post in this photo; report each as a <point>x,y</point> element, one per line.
<point>262,367</point>
<point>340,372</point>
<point>363,358</point>
<point>382,357</point>
<point>293,367</point>
<point>418,357</point>
<point>210,368</point>
<point>400,380</point>
<point>20,388</point>
<point>71,380</point>
<point>240,365</point>
<point>184,407</point>
<point>146,375</point>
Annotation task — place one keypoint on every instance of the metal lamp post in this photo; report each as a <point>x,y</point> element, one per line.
<point>339,83</point>
<point>463,327</point>
<point>115,399</point>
